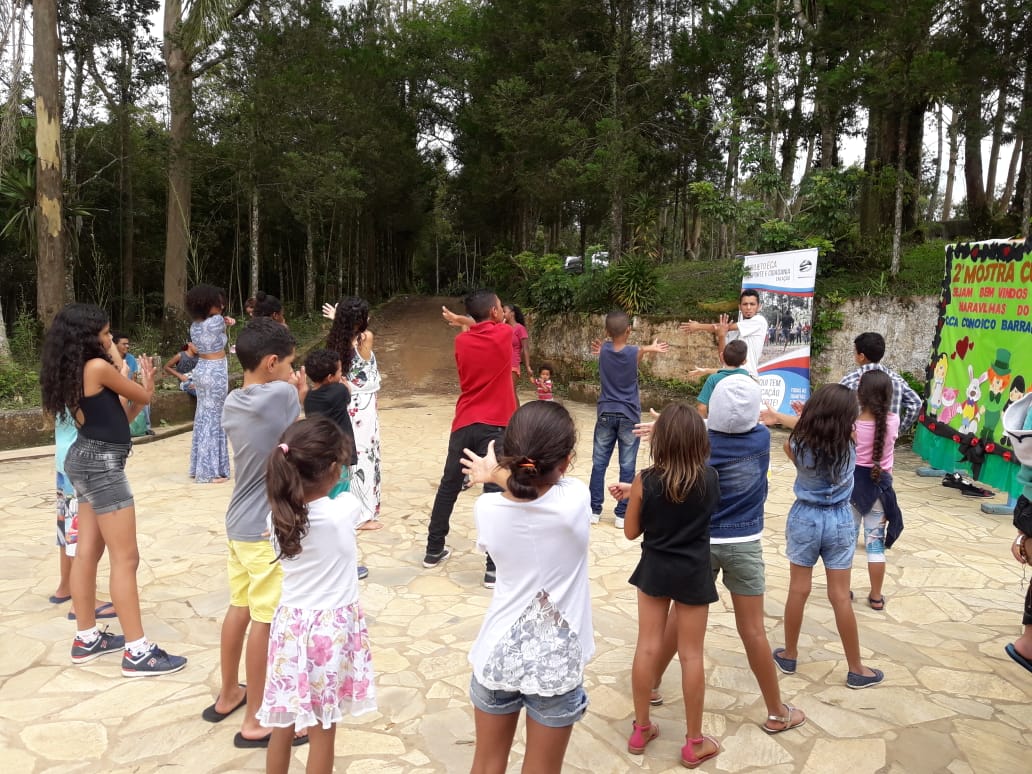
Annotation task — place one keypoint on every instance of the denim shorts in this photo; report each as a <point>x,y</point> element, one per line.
<point>815,532</point>
<point>551,711</point>
<point>97,471</point>
<point>742,564</point>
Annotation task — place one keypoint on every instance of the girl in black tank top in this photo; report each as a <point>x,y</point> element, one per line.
<point>78,377</point>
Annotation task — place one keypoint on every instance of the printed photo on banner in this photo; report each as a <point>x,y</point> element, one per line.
<point>784,282</point>
<point>981,359</point>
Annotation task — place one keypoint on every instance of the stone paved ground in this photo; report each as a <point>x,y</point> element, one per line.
<point>952,700</point>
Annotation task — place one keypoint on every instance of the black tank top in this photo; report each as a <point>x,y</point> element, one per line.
<point>103,418</point>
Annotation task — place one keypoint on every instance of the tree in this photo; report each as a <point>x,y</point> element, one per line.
<point>50,234</point>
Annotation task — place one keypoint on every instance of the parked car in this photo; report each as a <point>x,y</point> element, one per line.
<point>573,264</point>
<point>600,260</point>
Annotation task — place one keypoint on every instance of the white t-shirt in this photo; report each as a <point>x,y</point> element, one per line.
<point>537,634</point>
<point>752,331</point>
<point>324,576</point>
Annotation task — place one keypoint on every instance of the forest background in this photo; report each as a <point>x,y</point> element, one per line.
<point>313,149</point>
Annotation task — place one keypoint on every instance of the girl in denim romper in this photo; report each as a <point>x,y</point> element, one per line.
<point>820,523</point>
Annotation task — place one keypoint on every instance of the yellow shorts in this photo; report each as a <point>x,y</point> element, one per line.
<point>255,578</point>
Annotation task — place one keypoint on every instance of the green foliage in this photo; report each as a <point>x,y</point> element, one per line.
<point>634,284</point>
<point>592,292</point>
<point>19,387</point>
<point>827,318</point>
<point>26,336</point>
<point>553,292</point>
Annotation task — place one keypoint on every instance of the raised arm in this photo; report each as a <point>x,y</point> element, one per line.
<point>463,321</point>
<point>484,470</point>
<point>656,347</point>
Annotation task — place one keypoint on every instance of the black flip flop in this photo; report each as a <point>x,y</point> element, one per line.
<point>244,743</point>
<point>56,600</point>
<point>1013,653</point>
<point>212,715</point>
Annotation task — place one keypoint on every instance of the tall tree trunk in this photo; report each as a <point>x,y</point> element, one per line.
<point>309,267</point>
<point>177,218</point>
<point>790,147</point>
<point>252,285</point>
<point>901,174</point>
<point>997,141</point>
<point>972,125</point>
<point>1012,170</point>
<point>127,215</point>
<point>933,194</point>
<point>5,345</point>
<point>50,235</point>
<point>951,167</point>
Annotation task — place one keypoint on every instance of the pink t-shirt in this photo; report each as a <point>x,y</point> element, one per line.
<point>864,429</point>
<point>519,335</point>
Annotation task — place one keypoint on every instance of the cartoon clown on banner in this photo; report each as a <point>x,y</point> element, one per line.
<point>981,361</point>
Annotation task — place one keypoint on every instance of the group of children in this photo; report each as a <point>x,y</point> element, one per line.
<point>698,509</point>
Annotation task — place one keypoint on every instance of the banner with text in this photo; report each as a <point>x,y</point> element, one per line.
<point>785,284</point>
<point>981,360</point>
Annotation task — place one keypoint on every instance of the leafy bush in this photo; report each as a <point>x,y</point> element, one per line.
<point>553,292</point>
<point>592,292</point>
<point>634,284</point>
<point>19,387</point>
<point>26,336</point>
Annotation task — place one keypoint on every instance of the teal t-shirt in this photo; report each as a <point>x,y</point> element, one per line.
<point>714,379</point>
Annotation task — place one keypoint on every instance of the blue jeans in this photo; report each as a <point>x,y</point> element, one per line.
<point>610,430</point>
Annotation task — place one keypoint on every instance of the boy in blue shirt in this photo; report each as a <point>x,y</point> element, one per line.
<point>619,409</point>
<point>734,356</point>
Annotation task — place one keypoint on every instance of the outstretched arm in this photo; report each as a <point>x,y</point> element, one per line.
<point>463,321</point>
<point>656,347</point>
<point>484,470</point>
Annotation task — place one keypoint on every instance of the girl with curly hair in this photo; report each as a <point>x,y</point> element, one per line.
<point>351,338</point>
<point>79,380</point>
<point>319,664</point>
<point>209,453</point>
<point>820,524</point>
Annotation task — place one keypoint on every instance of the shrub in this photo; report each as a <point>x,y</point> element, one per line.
<point>19,387</point>
<point>553,293</point>
<point>634,284</point>
<point>591,293</point>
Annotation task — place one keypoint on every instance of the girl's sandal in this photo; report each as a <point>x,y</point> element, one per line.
<point>688,757</point>
<point>876,604</point>
<point>786,719</point>
<point>640,737</point>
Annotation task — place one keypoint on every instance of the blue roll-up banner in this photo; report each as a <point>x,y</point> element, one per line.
<point>785,284</point>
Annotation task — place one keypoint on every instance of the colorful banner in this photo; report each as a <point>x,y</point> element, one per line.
<point>785,284</point>
<point>981,360</point>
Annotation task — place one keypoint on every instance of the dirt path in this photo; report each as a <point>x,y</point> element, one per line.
<point>414,346</point>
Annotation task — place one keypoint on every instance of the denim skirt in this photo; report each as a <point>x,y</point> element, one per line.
<point>97,471</point>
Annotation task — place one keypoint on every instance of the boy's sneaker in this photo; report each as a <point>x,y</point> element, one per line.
<point>105,643</point>
<point>596,518</point>
<point>618,522</point>
<point>363,572</point>
<point>489,579</point>
<point>152,663</point>
<point>433,560</point>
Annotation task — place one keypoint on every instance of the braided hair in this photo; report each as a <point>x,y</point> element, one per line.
<point>875,395</point>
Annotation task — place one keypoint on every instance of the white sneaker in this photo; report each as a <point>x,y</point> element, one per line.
<point>595,518</point>
<point>618,522</point>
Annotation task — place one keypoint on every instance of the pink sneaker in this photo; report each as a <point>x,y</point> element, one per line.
<point>641,736</point>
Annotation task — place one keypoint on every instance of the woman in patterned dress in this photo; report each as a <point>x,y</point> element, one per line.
<point>351,338</point>
<point>209,453</point>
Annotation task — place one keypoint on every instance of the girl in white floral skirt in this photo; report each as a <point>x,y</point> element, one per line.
<point>320,667</point>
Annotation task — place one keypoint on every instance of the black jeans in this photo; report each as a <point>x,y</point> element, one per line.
<point>475,437</point>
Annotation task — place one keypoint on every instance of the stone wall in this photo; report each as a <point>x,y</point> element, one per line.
<point>908,325</point>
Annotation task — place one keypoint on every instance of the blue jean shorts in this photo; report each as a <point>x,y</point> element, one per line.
<point>97,471</point>
<point>815,532</point>
<point>551,711</point>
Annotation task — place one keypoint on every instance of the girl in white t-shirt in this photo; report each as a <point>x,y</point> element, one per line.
<point>873,498</point>
<point>537,634</point>
<point>319,666</point>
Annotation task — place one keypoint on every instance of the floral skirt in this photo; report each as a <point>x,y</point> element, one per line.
<point>320,668</point>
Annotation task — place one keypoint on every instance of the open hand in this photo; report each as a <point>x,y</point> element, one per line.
<point>147,369</point>
<point>329,311</point>
<point>479,469</point>
<point>230,321</point>
<point>596,346</point>
<point>1018,552</point>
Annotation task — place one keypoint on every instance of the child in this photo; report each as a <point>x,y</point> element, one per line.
<point>820,523</point>
<point>352,340</point>
<point>544,382</point>
<point>1017,423</point>
<point>319,664</point>
<point>619,409</point>
<point>537,634</point>
<point>733,356</point>
<point>267,403</point>
<point>181,366</point>
<point>670,504</point>
<point>331,397</point>
<point>209,455</point>
<point>874,501</point>
<point>78,380</point>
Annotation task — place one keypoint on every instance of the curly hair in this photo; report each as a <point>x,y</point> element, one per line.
<point>875,395</point>
<point>349,322</point>
<point>679,447</point>
<point>539,439</point>
<point>309,453</point>
<point>825,428</point>
<point>73,339</point>
<point>517,314</point>
<point>201,299</point>
<point>321,363</point>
